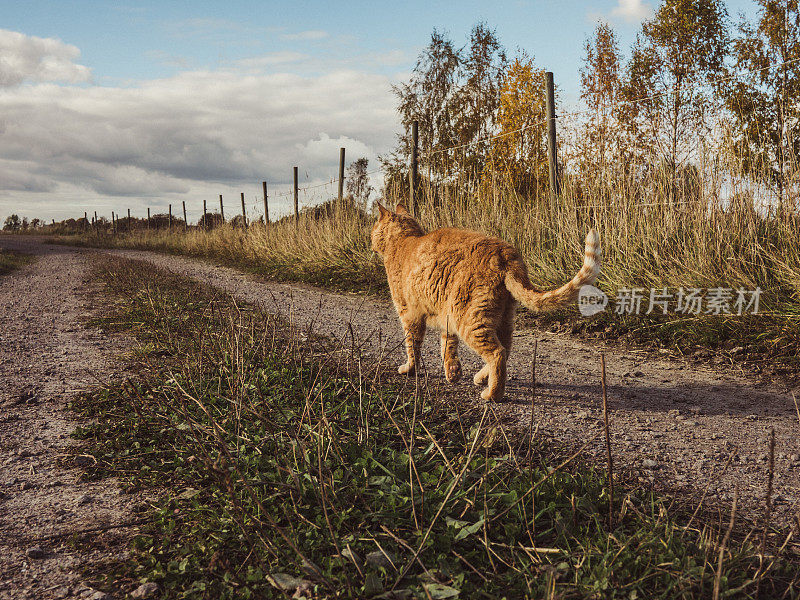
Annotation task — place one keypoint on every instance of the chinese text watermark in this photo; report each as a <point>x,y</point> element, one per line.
<point>688,301</point>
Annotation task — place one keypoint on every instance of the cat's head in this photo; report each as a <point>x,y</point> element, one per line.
<point>392,225</point>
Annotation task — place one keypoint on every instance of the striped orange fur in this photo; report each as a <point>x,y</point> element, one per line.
<point>467,285</point>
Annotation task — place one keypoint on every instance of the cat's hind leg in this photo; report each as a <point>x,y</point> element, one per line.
<point>481,376</point>
<point>452,364</point>
<point>414,329</point>
<point>504,334</point>
<point>483,340</point>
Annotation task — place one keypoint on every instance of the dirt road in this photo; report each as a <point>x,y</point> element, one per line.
<point>674,420</point>
<point>46,357</point>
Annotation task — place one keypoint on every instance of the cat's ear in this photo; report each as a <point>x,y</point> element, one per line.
<point>401,209</point>
<point>383,211</point>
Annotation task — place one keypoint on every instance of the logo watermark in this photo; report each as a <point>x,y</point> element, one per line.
<point>591,300</point>
<point>688,301</point>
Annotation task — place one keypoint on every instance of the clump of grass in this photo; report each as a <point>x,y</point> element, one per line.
<point>10,261</point>
<point>285,474</point>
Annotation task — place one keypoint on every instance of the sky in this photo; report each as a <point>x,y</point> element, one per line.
<point>109,106</point>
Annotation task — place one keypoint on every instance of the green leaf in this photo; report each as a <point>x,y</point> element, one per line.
<point>438,591</point>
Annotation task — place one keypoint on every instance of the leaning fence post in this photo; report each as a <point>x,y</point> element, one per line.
<point>266,204</point>
<point>185,220</point>
<point>221,209</point>
<point>341,174</point>
<point>170,218</point>
<point>205,218</point>
<point>552,150</point>
<point>244,212</point>
<point>413,175</point>
<point>85,220</point>
<point>296,208</point>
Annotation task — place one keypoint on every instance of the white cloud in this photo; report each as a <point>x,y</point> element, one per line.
<point>190,136</point>
<point>28,58</point>
<point>282,57</point>
<point>312,34</point>
<point>632,11</point>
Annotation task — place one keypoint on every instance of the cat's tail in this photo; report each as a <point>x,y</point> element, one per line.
<point>519,285</point>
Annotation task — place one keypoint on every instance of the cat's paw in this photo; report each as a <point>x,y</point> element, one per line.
<point>481,377</point>
<point>491,397</point>
<point>406,369</point>
<point>452,371</point>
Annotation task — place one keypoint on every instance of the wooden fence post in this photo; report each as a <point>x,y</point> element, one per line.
<point>244,212</point>
<point>205,218</point>
<point>341,174</point>
<point>113,223</point>
<point>413,192</point>
<point>296,208</point>
<point>148,218</point>
<point>95,218</point>
<point>129,219</point>
<point>266,204</point>
<point>221,209</point>
<point>170,218</point>
<point>185,220</point>
<point>85,221</point>
<point>552,150</point>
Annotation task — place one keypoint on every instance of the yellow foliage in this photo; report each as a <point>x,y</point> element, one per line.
<point>518,155</point>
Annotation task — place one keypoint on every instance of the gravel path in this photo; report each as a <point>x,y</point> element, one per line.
<point>675,421</point>
<point>46,357</point>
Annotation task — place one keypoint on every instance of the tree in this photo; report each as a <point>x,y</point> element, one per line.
<point>519,152</point>
<point>454,94</point>
<point>674,65</point>
<point>762,97</point>
<point>477,99</point>
<point>358,182</point>
<point>12,223</point>
<point>600,90</point>
<point>428,97</point>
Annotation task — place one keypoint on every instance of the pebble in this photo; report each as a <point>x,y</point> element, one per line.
<point>84,499</point>
<point>146,590</point>
<point>35,552</point>
<point>100,596</point>
<point>648,463</point>
<point>379,559</point>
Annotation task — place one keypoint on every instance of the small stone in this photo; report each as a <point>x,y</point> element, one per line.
<point>583,414</point>
<point>737,350</point>
<point>35,552</point>
<point>794,458</point>
<point>83,460</point>
<point>146,590</point>
<point>100,596</point>
<point>84,499</point>
<point>25,485</point>
<point>648,463</point>
<point>380,559</point>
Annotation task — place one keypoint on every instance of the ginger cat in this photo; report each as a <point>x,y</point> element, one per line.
<point>467,285</point>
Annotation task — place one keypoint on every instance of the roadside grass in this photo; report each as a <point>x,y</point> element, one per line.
<point>285,472</point>
<point>10,261</point>
<point>332,249</point>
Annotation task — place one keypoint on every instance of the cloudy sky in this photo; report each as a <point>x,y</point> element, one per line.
<point>107,106</point>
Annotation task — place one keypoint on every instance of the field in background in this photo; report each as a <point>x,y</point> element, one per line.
<point>650,240</point>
